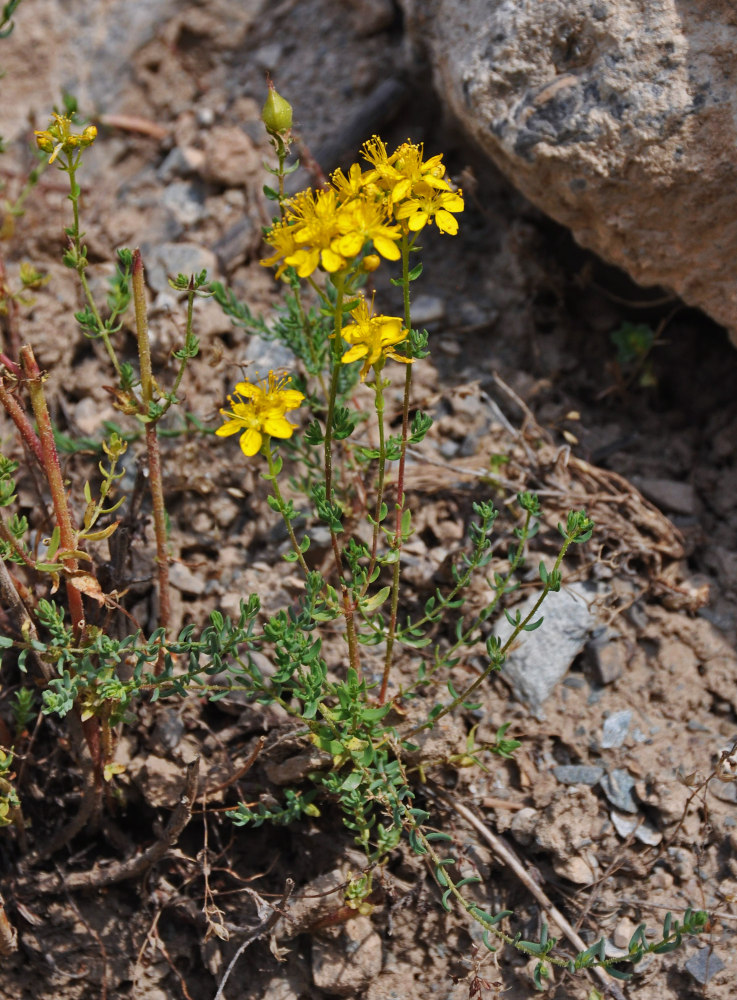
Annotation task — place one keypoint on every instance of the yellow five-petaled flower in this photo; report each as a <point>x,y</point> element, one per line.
<point>373,338</point>
<point>260,411</point>
<point>59,137</point>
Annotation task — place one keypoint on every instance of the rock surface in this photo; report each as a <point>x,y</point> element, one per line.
<point>617,119</point>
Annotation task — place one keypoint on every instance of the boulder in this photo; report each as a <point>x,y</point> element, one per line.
<point>618,119</point>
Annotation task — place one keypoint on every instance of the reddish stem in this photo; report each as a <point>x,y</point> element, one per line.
<point>50,460</point>
<point>21,421</point>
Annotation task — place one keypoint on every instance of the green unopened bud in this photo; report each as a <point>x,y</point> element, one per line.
<point>276,113</point>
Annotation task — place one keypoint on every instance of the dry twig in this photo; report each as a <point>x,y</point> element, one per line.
<point>120,871</point>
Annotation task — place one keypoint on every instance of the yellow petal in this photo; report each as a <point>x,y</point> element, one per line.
<point>354,353</point>
<point>418,221</point>
<point>350,245</point>
<point>250,442</point>
<point>387,248</point>
<point>278,426</point>
<point>331,261</point>
<point>447,223</point>
<point>229,427</point>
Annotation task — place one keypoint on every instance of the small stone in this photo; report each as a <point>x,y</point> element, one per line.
<point>324,892</point>
<point>165,260</point>
<point>703,965</point>
<point>231,157</point>
<point>269,57</point>
<point>427,309</point>
<point>169,728</point>
<point>185,201</point>
<point>523,825</point>
<point>372,16</point>
<point>268,355</point>
<point>623,933</point>
<point>296,769</point>
<point>608,656</point>
<point>669,495</point>
<point>575,869</point>
<point>180,162</point>
<point>644,832</point>
<point>615,729</point>
<point>344,964</point>
<point>185,580</point>
<point>236,243</point>
<point>618,786</point>
<point>578,774</point>
<point>542,658</point>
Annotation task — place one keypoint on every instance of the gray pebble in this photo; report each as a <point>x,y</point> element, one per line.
<point>427,309</point>
<point>645,832</point>
<point>703,965</point>
<point>615,729</point>
<point>578,774</point>
<point>541,660</point>
<point>618,786</point>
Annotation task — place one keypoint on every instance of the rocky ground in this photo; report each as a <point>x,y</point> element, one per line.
<point>624,708</point>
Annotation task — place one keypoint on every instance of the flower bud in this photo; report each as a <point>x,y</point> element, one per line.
<point>276,113</point>
<point>370,262</point>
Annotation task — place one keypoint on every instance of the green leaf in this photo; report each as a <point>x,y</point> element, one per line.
<point>371,604</point>
<point>352,782</point>
<point>415,273</point>
<point>533,625</point>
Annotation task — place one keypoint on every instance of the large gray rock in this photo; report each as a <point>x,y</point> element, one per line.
<point>618,119</point>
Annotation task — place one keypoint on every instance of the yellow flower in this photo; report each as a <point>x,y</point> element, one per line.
<point>429,205</point>
<point>404,170</point>
<point>351,186</point>
<point>260,411</point>
<point>372,338</point>
<point>281,238</point>
<point>315,214</point>
<point>361,222</point>
<point>59,136</point>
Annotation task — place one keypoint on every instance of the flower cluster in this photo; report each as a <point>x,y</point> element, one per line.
<point>398,195</point>
<point>260,410</point>
<point>59,137</point>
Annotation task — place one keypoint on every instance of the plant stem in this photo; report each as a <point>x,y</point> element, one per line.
<point>80,257</point>
<point>451,706</point>
<point>348,608</point>
<point>152,445</point>
<point>21,421</point>
<point>397,544</point>
<point>379,404</point>
<point>50,459</point>
<point>280,501</point>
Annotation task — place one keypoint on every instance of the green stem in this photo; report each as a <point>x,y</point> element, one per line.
<point>464,695</point>
<point>397,544</point>
<point>80,258</point>
<point>348,608</point>
<point>187,350</point>
<point>152,446</point>
<point>378,388</point>
<point>273,472</point>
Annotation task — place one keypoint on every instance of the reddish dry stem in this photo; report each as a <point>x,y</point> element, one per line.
<point>52,468</point>
<point>159,512</point>
<point>17,415</point>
